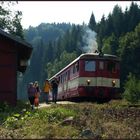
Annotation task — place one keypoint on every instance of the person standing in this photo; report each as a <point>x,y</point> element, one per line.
<point>36,85</point>
<point>54,84</point>
<point>31,94</point>
<point>46,89</point>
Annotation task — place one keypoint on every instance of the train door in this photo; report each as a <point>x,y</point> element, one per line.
<point>100,73</point>
<point>100,79</point>
<point>64,84</point>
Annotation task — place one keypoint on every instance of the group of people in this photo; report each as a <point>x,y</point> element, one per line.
<point>34,91</point>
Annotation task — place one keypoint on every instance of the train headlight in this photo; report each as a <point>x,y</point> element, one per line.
<point>88,82</point>
<point>113,83</point>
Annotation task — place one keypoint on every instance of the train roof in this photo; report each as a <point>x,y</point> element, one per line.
<point>89,56</point>
<point>98,56</point>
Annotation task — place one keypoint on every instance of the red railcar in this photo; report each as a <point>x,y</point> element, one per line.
<point>91,76</point>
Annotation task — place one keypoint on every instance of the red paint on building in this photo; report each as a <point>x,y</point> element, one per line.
<point>13,50</point>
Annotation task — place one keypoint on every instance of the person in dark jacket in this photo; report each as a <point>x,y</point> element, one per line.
<point>54,84</point>
<point>31,94</point>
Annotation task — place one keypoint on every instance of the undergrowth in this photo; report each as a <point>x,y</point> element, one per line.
<point>85,120</point>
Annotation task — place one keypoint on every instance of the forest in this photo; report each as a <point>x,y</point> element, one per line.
<point>56,45</point>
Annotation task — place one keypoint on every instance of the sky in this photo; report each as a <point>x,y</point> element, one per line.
<point>77,12</point>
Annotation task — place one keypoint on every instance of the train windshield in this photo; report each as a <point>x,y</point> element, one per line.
<point>112,66</point>
<point>90,65</point>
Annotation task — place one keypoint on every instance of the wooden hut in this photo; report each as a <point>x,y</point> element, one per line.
<point>14,56</point>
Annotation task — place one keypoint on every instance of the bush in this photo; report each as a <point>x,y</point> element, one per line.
<point>4,107</point>
<point>132,89</point>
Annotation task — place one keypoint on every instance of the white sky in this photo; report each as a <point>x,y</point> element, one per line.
<point>36,12</point>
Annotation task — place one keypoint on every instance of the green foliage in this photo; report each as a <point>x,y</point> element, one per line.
<point>134,16</point>
<point>58,114</point>
<point>132,89</point>
<point>37,120</point>
<point>64,50</point>
<point>10,20</point>
<point>118,23</point>
<point>47,47</point>
<point>109,120</point>
<point>117,18</point>
<point>16,28</point>
<point>61,41</point>
<point>129,48</point>
<point>4,107</point>
<point>65,59</point>
<point>107,48</point>
<point>55,46</point>
<point>10,116</point>
<point>101,30</point>
<point>47,32</point>
<point>17,120</point>
<point>92,23</point>
<point>110,44</point>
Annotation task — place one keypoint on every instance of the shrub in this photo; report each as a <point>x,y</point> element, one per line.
<point>132,89</point>
<point>4,107</point>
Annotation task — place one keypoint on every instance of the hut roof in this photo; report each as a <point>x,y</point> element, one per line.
<point>16,39</point>
<point>24,49</point>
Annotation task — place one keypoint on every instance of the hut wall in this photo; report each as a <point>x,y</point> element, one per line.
<point>8,68</point>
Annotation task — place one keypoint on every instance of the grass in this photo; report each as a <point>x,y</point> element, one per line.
<point>112,120</point>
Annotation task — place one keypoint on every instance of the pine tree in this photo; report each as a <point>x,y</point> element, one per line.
<point>92,22</point>
<point>134,16</point>
<point>101,32</point>
<point>117,17</point>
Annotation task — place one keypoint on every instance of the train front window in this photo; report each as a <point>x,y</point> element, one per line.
<point>101,65</point>
<point>111,66</point>
<point>90,66</point>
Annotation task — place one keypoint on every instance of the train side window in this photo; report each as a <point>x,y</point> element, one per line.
<point>71,70</point>
<point>65,76</point>
<point>77,66</point>
<point>90,66</point>
<point>101,65</point>
<point>74,68</point>
<point>68,74</point>
<point>61,79</point>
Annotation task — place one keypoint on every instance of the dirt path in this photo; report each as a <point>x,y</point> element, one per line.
<point>51,103</point>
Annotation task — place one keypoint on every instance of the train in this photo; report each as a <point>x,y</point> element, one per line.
<point>91,76</point>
